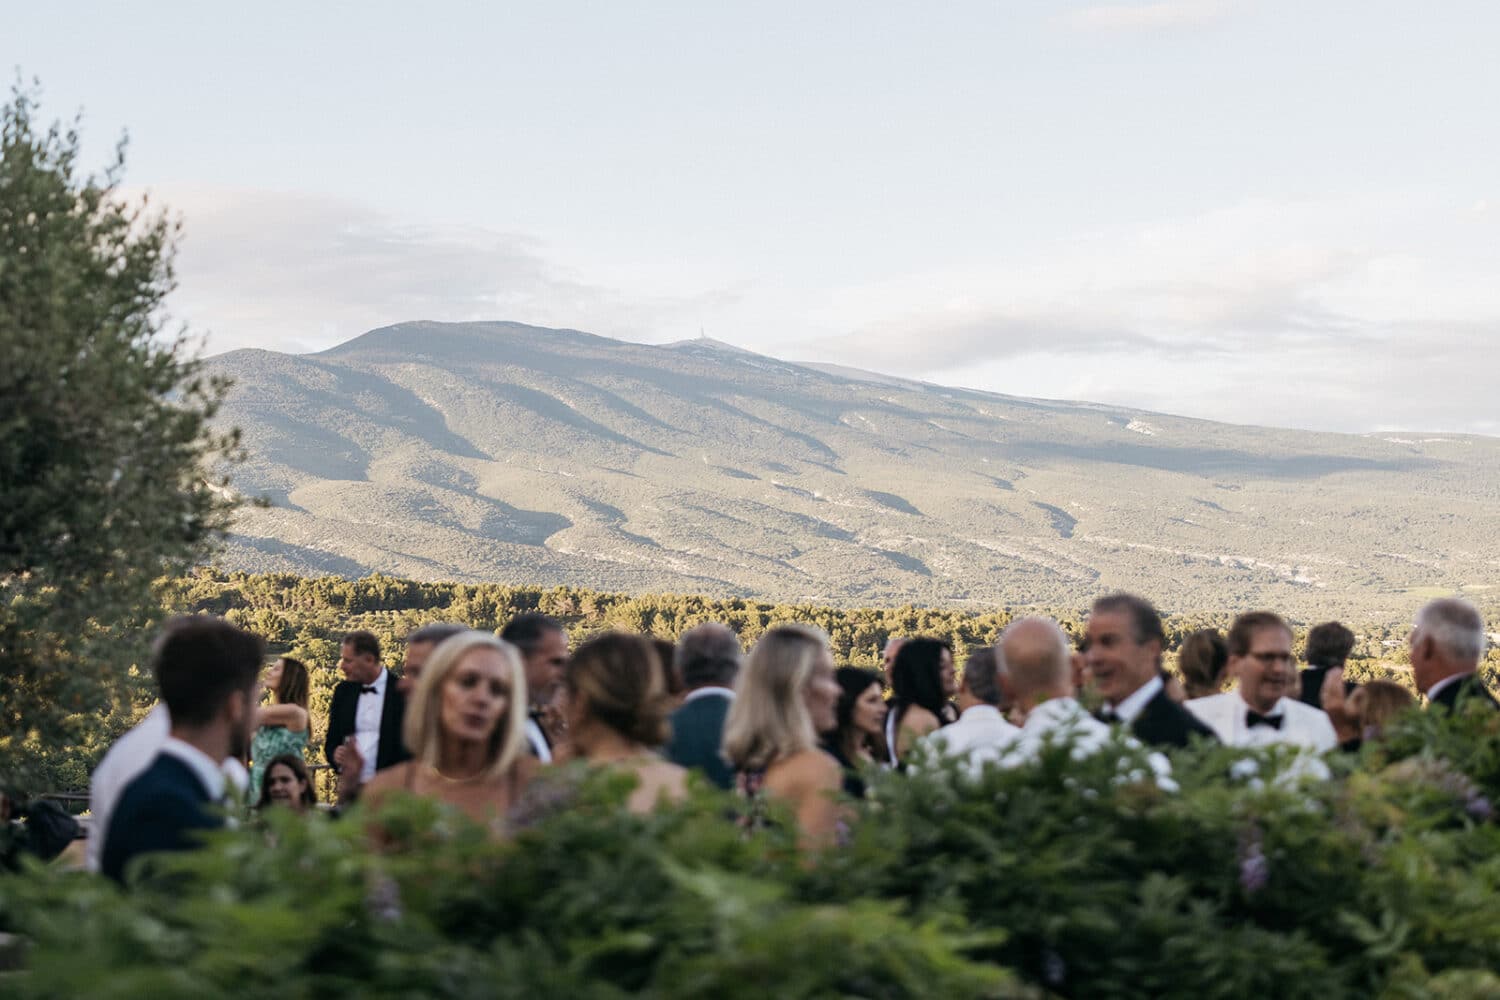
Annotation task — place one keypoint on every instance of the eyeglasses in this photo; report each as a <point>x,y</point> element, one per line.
<point>1270,658</point>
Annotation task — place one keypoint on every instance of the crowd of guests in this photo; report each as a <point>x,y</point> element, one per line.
<point>479,722</point>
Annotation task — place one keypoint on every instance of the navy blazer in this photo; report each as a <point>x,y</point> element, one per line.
<point>1164,723</point>
<point>392,749</point>
<point>163,809</point>
<point>697,732</point>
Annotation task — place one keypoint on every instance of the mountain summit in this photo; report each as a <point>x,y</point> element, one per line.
<point>504,452</point>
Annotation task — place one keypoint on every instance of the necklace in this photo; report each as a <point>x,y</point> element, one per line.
<point>456,781</point>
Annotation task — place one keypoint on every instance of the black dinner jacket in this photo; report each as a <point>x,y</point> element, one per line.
<point>161,810</point>
<point>1470,689</point>
<point>1164,723</point>
<point>341,722</point>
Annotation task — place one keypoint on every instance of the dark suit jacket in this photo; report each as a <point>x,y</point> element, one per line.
<point>161,810</point>
<point>341,722</point>
<point>1312,686</point>
<point>697,731</point>
<point>1164,723</point>
<point>1471,689</point>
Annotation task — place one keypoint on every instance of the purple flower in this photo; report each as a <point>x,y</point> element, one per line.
<point>1255,870</point>
<point>1478,807</point>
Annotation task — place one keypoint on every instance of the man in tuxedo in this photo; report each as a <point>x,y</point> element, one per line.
<point>1447,643</point>
<point>1257,711</point>
<point>1038,665</point>
<point>708,660</point>
<point>1328,647</point>
<point>543,644</point>
<point>1124,642</point>
<point>207,672</point>
<point>367,709</point>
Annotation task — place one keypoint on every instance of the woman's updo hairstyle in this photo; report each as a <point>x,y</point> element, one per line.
<point>622,684</point>
<point>1202,659</point>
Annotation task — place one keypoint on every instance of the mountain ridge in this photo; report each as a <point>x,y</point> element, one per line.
<point>512,453</point>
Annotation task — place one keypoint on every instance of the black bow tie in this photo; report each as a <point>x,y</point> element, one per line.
<point>368,689</point>
<point>1108,714</point>
<point>1254,718</point>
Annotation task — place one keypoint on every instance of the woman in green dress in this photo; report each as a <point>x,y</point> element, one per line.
<point>282,726</point>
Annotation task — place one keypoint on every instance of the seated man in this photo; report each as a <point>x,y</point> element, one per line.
<point>1258,711</point>
<point>1446,645</point>
<point>207,672</point>
<point>980,730</point>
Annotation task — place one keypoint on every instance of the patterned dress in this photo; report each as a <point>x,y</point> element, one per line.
<point>269,743</point>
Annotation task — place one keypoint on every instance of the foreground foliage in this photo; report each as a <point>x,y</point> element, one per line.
<point>1056,879</point>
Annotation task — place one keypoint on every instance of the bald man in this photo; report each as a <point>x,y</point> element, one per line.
<point>1039,673</point>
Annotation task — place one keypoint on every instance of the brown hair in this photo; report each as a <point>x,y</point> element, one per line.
<point>1201,658</point>
<point>292,688</point>
<point>299,768</point>
<point>1242,632</point>
<point>1375,703</point>
<point>1329,645</point>
<point>621,681</point>
<point>363,642</point>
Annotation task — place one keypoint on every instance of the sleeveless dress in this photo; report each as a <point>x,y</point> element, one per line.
<point>269,743</point>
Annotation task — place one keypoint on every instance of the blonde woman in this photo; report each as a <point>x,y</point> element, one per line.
<point>465,728</point>
<point>617,705</point>
<point>785,695</point>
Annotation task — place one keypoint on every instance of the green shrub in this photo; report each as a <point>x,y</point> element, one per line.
<point>1060,878</point>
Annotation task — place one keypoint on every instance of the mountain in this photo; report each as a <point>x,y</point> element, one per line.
<point>508,453</point>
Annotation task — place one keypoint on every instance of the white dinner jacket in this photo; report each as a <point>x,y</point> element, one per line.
<point>1301,725</point>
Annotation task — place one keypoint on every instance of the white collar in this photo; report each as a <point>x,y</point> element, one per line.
<point>204,767</point>
<point>705,692</point>
<point>1446,682</point>
<point>1135,703</point>
<point>1276,712</point>
<point>1054,711</point>
<point>378,684</point>
<point>974,713</point>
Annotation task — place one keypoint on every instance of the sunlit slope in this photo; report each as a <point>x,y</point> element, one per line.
<point>495,451</point>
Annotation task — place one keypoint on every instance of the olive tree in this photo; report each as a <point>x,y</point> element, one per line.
<point>110,472</point>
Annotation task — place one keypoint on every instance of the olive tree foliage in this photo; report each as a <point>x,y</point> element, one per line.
<point>105,446</point>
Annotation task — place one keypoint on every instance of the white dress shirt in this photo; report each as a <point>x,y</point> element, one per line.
<point>1064,720</point>
<point>538,741</point>
<point>130,755</point>
<point>209,773</point>
<point>1301,725</point>
<point>367,713</point>
<point>1446,682</point>
<point>708,692</point>
<point>1131,707</point>
<point>980,734</point>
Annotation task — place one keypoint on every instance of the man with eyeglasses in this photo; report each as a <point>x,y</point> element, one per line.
<point>1258,711</point>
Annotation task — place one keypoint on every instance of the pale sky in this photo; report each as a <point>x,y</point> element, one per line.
<point>1281,213</point>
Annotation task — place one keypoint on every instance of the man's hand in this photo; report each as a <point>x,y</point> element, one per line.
<point>351,768</point>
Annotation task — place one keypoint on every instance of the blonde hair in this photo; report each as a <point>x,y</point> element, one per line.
<point>1375,703</point>
<point>422,729</point>
<point>620,679</point>
<point>769,719</point>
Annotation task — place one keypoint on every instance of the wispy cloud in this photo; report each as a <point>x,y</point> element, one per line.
<point>1340,313</point>
<point>298,272</point>
<point>1164,14</point>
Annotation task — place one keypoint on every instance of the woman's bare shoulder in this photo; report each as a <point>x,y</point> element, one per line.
<point>806,769</point>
